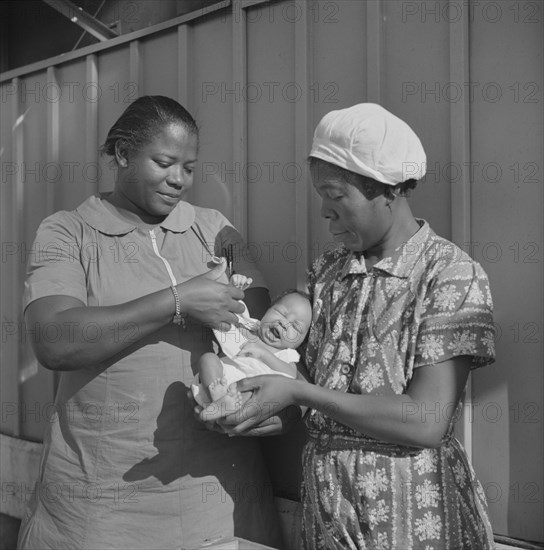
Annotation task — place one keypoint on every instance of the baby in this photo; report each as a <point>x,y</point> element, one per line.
<point>252,347</point>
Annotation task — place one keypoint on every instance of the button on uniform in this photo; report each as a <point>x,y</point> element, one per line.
<point>345,368</point>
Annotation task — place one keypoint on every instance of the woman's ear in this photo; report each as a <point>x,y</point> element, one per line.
<point>121,155</point>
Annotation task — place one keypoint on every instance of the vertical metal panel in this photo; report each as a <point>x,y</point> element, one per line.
<point>159,70</point>
<point>239,118</point>
<point>338,80</point>
<point>213,94</point>
<point>91,127</point>
<point>10,231</point>
<point>273,94</point>
<point>373,51</point>
<point>507,233</point>
<point>184,66</point>
<point>117,90</point>
<point>52,133</point>
<point>303,140</point>
<point>39,178</point>
<point>135,66</point>
<point>415,72</point>
<point>75,179</point>
<point>460,156</point>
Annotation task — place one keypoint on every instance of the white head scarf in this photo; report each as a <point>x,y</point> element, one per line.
<point>369,140</point>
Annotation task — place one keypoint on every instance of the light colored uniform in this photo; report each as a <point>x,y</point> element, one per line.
<point>125,464</point>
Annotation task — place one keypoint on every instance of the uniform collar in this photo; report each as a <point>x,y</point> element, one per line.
<point>399,264</point>
<point>96,214</point>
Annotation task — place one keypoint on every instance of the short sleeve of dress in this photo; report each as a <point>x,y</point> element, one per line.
<point>457,318</point>
<point>54,266</point>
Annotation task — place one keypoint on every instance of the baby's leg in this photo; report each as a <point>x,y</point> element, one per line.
<point>211,376</point>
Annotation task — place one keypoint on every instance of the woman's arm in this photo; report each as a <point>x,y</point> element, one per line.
<point>420,417</point>
<point>89,335</point>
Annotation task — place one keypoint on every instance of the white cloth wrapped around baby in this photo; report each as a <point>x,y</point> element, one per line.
<point>235,367</point>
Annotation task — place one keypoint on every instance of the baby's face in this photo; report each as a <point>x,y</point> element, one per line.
<point>287,322</point>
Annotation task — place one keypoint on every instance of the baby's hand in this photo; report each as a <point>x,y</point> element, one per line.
<point>241,281</point>
<point>252,349</point>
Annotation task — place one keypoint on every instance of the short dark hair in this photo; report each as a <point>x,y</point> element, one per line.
<point>143,119</point>
<point>368,186</point>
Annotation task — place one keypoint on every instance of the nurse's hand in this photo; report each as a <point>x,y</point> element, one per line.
<point>210,301</point>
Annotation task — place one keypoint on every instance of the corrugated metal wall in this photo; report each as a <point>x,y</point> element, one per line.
<point>258,76</point>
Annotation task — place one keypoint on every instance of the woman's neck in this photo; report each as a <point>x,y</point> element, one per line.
<point>129,212</point>
<point>403,229</point>
<point>125,210</point>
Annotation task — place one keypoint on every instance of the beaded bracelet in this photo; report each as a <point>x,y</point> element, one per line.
<point>178,319</point>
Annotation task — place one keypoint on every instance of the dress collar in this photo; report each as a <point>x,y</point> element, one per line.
<point>96,214</point>
<point>399,264</point>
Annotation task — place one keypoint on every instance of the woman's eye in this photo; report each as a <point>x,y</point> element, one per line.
<point>189,170</point>
<point>336,197</point>
<point>162,164</point>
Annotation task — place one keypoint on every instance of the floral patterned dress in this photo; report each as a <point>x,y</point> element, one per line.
<point>427,303</point>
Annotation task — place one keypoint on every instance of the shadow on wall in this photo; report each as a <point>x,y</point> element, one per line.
<point>9,529</point>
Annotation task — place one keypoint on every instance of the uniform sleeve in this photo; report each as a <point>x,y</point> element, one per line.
<point>54,266</point>
<point>457,317</point>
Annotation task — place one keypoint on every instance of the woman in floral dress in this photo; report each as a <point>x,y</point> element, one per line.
<point>400,317</point>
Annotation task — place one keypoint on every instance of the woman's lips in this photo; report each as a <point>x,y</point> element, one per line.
<point>169,198</point>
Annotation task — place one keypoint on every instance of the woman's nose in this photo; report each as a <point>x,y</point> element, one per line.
<point>325,211</point>
<point>175,176</point>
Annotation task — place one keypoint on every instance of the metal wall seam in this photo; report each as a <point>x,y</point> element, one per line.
<point>460,156</point>
<point>91,121</point>
<point>184,66</point>
<point>18,227</point>
<point>373,50</point>
<point>303,136</point>
<point>135,66</point>
<point>239,118</point>
<point>52,139</point>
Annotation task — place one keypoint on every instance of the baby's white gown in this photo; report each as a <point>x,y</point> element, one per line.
<point>235,368</point>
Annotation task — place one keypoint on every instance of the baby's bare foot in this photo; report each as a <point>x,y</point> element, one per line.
<point>218,388</point>
<point>227,404</point>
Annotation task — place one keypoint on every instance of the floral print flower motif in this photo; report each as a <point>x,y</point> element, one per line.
<point>372,483</point>
<point>372,377</point>
<point>488,340</point>
<point>431,346</point>
<point>460,473</point>
<point>426,462</point>
<point>427,494</point>
<point>382,542</point>
<point>446,297</point>
<point>372,347</point>
<point>428,527</point>
<point>378,514</point>
<point>475,295</point>
<point>463,343</point>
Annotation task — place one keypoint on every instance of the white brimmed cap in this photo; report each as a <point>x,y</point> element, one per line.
<point>369,140</point>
